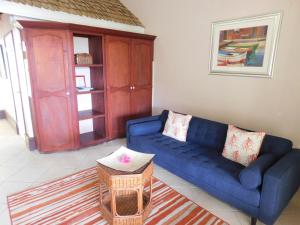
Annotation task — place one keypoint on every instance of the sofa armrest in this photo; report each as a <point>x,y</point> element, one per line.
<point>143,126</point>
<point>252,175</point>
<point>142,120</point>
<point>280,183</point>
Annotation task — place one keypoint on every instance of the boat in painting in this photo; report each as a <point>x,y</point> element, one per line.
<point>236,53</point>
<point>226,58</point>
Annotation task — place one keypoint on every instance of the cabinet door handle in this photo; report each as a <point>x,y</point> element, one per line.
<point>133,87</point>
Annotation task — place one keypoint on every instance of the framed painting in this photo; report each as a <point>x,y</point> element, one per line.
<point>245,47</point>
<point>3,71</point>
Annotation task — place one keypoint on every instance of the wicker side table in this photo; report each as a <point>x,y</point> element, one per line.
<point>125,198</point>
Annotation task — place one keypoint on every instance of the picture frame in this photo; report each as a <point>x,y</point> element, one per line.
<point>246,46</point>
<point>3,69</point>
<point>80,81</point>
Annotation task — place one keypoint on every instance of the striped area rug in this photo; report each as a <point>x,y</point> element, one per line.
<point>74,200</point>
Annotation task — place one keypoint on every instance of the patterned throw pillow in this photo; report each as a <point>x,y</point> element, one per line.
<point>177,126</point>
<point>241,146</point>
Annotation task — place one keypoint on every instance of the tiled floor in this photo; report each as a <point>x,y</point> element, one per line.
<point>20,169</point>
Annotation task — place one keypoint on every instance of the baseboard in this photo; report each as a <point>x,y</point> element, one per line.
<point>12,122</point>
<point>31,144</point>
<point>2,114</point>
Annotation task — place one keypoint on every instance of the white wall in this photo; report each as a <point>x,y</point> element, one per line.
<point>6,97</point>
<point>181,58</point>
<point>5,24</point>
<point>18,78</point>
<point>13,74</point>
<point>24,82</point>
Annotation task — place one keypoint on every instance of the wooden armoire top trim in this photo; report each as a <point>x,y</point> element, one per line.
<point>83,29</point>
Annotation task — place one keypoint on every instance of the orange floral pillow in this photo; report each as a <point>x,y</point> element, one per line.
<point>177,126</point>
<point>241,146</point>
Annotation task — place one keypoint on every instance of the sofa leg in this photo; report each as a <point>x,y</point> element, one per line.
<point>253,221</point>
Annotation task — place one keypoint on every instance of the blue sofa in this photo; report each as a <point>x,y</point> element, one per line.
<point>261,190</point>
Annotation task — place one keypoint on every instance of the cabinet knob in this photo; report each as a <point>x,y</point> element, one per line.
<point>133,87</point>
<point>67,93</point>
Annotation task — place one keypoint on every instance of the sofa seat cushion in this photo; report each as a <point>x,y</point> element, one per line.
<point>198,162</point>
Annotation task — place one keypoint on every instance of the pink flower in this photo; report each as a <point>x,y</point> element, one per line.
<point>124,159</point>
<point>232,140</point>
<point>248,144</point>
<point>235,155</point>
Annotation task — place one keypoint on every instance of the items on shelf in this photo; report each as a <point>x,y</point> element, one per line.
<point>83,58</point>
<point>82,89</point>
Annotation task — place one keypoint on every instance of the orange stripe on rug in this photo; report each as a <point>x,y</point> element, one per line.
<point>177,215</point>
<point>53,200</point>
<point>186,219</point>
<point>75,200</point>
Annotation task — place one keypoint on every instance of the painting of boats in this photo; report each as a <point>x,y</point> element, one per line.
<point>244,47</point>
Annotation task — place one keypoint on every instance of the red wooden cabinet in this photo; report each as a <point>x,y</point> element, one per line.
<point>51,81</point>
<point>120,80</point>
<point>129,85</point>
<point>141,78</point>
<point>117,52</point>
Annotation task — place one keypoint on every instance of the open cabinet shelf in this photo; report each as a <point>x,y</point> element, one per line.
<point>89,65</point>
<point>90,92</point>
<point>91,138</point>
<point>92,132</point>
<point>89,114</point>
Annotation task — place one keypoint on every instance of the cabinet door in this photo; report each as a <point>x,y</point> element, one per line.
<point>50,72</point>
<point>119,112</point>
<point>141,76</point>
<point>141,102</point>
<point>117,55</point>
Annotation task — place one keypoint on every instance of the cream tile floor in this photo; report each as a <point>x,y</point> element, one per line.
<point>21,168</point>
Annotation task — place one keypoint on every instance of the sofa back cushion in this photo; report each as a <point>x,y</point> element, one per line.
<point>276,145</point>
<point>207,133</point>
<point>203,132</point>
<point>213,134</point>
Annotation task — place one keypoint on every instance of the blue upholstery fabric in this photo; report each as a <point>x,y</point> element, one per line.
<point>251,176</point>
<point>139,122</point>
<point>147,127</point>
<point>207,133</point>
<point>281,181</point>
<point>213,134</point>
<point>204,132</point>
<point>208,163</point>
<point>164,116</point>
<point>142,120</point>
<point>276,145</point>
<point>199,161</point>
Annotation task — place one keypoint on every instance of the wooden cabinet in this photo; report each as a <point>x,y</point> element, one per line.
<point>117,52</point>
<point>120,80</point>
<point>51,81</point>
<point>129,85</point>
<point>141,78</point>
